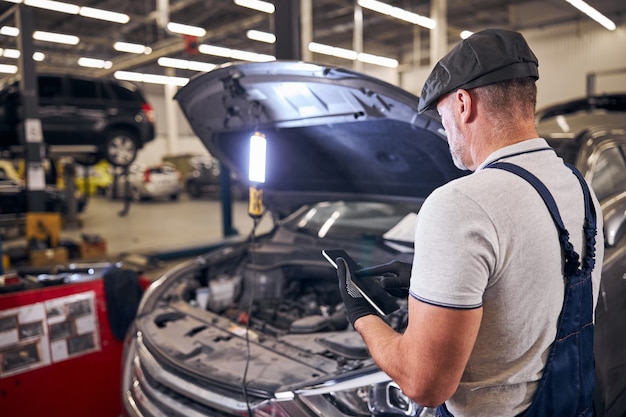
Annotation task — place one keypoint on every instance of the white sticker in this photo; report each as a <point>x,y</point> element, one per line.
<point>33,131</point>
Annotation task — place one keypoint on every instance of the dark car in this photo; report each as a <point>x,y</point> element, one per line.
<point>203,179</point>
<point>88,118</point>
<point>591,133</point>
<point>349,163</point>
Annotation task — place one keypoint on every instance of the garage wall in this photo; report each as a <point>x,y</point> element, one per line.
<point>566,54</point>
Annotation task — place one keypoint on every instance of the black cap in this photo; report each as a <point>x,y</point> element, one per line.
<point>486,57</point>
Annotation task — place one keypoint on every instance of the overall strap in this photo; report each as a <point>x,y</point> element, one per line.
<point>571,257</point>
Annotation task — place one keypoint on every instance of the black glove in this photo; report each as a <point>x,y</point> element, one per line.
<point>395,277</point>
<point>356,305</point>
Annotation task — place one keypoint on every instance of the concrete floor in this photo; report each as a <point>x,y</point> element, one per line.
<point>158,225</point>
<point>155,225</point>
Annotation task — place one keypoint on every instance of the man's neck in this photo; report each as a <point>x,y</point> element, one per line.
<point>494,140</point>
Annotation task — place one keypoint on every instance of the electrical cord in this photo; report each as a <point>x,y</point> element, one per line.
<point>256,221</point>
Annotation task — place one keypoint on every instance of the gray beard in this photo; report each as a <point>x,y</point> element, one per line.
<point>457,160</point>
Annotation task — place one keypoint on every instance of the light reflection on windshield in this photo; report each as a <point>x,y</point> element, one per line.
<point>340,218</point>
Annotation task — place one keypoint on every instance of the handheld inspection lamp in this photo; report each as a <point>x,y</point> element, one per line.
<point>256,174</point>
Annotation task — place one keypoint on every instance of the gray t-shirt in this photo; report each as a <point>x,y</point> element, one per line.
<point>488,240</point>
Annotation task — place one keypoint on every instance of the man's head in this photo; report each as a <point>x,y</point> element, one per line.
<point>486,57</point>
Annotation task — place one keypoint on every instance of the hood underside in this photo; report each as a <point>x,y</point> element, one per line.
<point>328,130</point>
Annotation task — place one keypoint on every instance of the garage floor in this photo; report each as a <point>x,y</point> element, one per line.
<point>158,225</point>
<point>154,226</point>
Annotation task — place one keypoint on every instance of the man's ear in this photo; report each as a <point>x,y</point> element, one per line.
<point>463,100</point>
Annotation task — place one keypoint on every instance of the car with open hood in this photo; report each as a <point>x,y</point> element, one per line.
<point>256,325</point>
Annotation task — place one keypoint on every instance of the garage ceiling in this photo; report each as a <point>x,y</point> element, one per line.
<point>226,25</point>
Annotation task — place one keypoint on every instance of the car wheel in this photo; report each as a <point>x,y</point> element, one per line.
<point>193,190</point>
<point>120,148</point>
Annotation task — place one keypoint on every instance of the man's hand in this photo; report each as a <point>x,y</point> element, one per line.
<point>395,277</point>
<point>356,305</point>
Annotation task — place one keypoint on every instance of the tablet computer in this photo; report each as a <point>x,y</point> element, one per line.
<point>383,302</point>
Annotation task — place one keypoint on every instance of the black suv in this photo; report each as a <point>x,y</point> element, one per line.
<point>88,118</point>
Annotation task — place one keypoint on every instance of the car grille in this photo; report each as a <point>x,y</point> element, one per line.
<point>155,390</point>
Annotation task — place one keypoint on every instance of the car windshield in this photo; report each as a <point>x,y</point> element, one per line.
<point>341,218</point>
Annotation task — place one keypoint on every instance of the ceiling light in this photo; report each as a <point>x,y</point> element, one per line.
<point>259,5</point>
<point>150,78</point>
<point>184,64</point>
<point>593,13</point>
<point>133,48</point>
<point>8,69</point>
<point>56,37</point>
<point>353,55</point>
<point>9,31</point>
<point>11,53</point>
<point>57,6</point>
<point>94,63</point>
<point>15,53</point>
<point>333,51</point>
<point>398,13</point>
<point>234,53</point>
<point>257,35</point>
<point>377,60</point>
<point>104,15</point>
<point>186,29</point>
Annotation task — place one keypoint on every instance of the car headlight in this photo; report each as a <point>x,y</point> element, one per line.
<point>382,399</point>
<point>368,394</point>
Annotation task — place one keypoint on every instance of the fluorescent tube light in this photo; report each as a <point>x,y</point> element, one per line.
<point>15,53</point>
<point>353,55</point>
<point>11,53</point>
<point>184,64</point>
<point>257,35</point>
<point>593,13</point>
<point>261,6</point>
<point>186,29</point>
<point>234,53</point>
<point>9,31</point>
<point>150,78</point>
<point>94,63</point>
<point>56,37</point>
<point>398,13</point>
<point>8,69</point>
<point>104,15</point>
<point>57,6</point>
<point>378,60</point>
<point>250,56</point>
<point>333,51</point>
<point>133,48</point>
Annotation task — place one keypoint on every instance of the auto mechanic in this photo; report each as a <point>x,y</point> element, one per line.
<point>505,258</point>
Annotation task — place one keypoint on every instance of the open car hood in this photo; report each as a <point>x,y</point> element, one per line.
<point>329,131</point>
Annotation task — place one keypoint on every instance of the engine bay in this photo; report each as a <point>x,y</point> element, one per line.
<point>277,298</point>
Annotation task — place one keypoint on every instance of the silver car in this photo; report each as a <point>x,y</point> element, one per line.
<point>148,182</point>
<point>256,326</point>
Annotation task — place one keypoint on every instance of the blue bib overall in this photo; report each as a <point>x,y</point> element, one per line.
<point>567,384</point>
